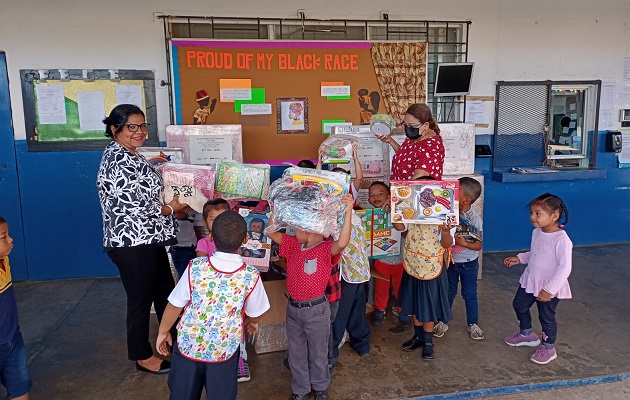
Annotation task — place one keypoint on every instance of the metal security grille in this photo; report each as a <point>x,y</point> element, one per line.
<point>448,41</point>
<point>521,115</point>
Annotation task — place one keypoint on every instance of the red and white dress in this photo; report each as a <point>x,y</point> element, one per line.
<point>427,154</point>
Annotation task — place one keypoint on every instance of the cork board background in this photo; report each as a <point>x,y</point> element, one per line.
<point>283,70</point>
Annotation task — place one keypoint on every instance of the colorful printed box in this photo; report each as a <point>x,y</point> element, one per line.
<point>425,202</point>
<point>383,238</point>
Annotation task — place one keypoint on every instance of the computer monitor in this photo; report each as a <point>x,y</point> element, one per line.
<point>453,79</point>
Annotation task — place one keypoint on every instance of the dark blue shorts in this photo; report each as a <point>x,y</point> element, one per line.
<point>13,369</point>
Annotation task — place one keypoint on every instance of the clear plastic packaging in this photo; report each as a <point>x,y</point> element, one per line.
<point>242,181</point>
<point>308,199</point>
<point>199,176</point>
<point>337,149</point>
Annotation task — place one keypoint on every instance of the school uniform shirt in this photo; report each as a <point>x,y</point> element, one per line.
<point>130,192</point>
<point>308,268</point>
<point>8,306</point>
<point>427,154</point>
<point>475,225</point>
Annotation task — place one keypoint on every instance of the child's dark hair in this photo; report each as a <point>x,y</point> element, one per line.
<point>425,178</point>
<point>306,164</point>
<point>2,220</point>
<point>552,203</point>
<point>119,116</point>
<point>228,231</point>
<point>215,204</point>
<point>471,187</point>
<point>381,183</point>
<point>256,220</point>
<point>339,169</point>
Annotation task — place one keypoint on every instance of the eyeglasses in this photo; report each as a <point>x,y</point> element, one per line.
<point>134,127</point>
<point>404,125</point>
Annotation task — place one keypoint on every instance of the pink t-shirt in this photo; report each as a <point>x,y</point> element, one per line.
<point>548,264</point>
<point>427,154</point>
<point>206,246</point>
<point>308,269</point>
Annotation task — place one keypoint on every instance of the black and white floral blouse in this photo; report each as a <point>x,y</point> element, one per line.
<point>129,189</point>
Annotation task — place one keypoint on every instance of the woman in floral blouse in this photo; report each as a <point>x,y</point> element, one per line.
<point>136,228</point>
<point>422,150</point>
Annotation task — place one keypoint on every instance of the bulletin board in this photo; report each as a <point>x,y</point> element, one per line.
<point>295,91</point>
<point>66,114</point>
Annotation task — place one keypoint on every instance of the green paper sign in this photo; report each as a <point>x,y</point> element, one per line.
<point>338,97</point>
<point>258,97</point>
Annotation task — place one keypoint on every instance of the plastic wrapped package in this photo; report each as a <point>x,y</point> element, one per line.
<point>310,200</point>
<point>207,144</point>
<point>382,124</point>
<point>242,181</point>
<point>199,176</point>
<point>337,149</point>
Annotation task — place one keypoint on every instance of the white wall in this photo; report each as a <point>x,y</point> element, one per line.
<point>509,39</point>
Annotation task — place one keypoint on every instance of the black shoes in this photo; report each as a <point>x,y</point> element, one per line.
<point>165,367</point>
<point>321,395</point>
<point>412,344</point>
<point>427,352</point>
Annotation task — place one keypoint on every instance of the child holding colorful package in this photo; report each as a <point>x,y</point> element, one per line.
<point>206,247</point>
<point>465,266</point>
<point>309,262</point>
<point>424,287</point>
<point>214,296</point>
<point>390,267</point>
<point>545,280</point>
<point>13,369</point>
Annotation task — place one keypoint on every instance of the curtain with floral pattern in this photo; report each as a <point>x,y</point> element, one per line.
<point>401,72</point>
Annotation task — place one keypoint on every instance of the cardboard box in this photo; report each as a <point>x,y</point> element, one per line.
<point>272,334</point>
<point>425,202</point>
<point>383,238</point>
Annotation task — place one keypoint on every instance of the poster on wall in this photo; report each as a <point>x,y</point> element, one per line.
<point>292,115</point>
<point>338,79</point>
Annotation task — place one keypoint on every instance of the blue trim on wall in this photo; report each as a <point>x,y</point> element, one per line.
<point>62,214</point>
<point>176,85</point>
<point>475,394</point>
<point>599,209</point>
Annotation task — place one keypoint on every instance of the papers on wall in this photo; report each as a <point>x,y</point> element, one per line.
<point>129,94</point>
<point>91,110</point>
<point>624,96</point>
<point>255,109</point>
<point>235,89</point>
<point>480,111</point>
<point>342,90</point>
<point>624,156</point>
<point>51,104</point>
<point>210,149</point>
<point>626,69</point>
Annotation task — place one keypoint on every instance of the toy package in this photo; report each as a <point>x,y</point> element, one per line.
<point>199,176</point>
<point>384,240</point>
<point>425,202</point>
<point>371,152</point>
<point>257,250</point>
<point>337,149</point>
<point>242,181</point>
<point>207,144</point>
<point>310,200</point>
<point>158,156</point>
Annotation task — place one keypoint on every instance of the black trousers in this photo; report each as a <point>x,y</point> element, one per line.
<point>546,314</point>
<point>146,276</point>
<point>188,378</point>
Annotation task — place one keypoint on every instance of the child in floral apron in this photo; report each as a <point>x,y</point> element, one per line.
<point>424,287</point>
<point>355,272</point>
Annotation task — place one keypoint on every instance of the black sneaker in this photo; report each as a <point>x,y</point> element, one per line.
<point>402,327</point>
<point>427,352</point>
<point>321,395</point>
<point>378,317</point>
<point>300,396</point>
<point>286,363</point>
<point>412,344</point>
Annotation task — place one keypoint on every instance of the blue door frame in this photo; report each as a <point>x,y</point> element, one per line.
<point>10,203</point>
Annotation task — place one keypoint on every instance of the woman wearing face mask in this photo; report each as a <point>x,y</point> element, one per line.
<point>423,149</point>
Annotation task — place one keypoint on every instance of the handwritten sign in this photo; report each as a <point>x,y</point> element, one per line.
<point>255,109</point>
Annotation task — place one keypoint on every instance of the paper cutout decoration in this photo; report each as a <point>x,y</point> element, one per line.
<point>258,97</point>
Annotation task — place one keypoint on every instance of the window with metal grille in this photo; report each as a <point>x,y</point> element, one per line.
<point>550,123</point>
<point>448,41</point>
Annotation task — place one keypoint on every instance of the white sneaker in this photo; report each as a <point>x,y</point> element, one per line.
<point>343,339</point>
<point>475,332</point>
<point>440,329</point>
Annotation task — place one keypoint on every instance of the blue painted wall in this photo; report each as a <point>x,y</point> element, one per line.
<point>62,215</point>
<point>599,209</point>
